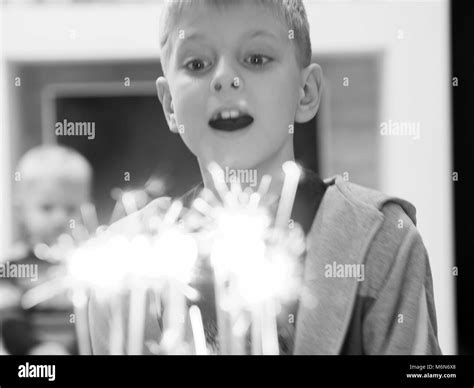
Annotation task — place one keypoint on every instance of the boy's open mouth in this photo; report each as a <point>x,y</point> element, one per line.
<point>230,120</point>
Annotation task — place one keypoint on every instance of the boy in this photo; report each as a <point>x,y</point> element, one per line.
<point>237,75</point>
<point>52,184</point>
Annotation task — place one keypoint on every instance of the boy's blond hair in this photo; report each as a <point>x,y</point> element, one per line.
<point>292,11</point>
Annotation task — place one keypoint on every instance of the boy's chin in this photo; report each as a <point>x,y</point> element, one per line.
<point>230,161</point>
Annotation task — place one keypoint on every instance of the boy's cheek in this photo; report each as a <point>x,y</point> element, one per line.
<point>192,138</point>
<point>191,116</point>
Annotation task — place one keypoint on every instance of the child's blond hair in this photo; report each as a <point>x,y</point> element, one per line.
<point>292,11</point>
<point>54,161</point>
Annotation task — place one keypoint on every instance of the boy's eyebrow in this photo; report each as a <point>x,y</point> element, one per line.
<point>187,38</point>
<point>193,36</point>
<point>200,36</point>
<point>249,35</point>
<point>258,33</point>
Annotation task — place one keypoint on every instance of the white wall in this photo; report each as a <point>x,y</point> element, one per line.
<point>416,87</point>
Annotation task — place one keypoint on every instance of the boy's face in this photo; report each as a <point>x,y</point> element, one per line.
<point>48,206</point>
<point>238,58</point>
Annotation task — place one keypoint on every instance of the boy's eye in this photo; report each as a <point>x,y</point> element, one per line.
<point>196,65</point>
<point>257,60</point>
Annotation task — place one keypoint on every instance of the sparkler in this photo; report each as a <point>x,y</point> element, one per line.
<point>247,258</point>
<point>253,259</point>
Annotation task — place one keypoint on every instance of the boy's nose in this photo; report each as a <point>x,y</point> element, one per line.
<point>234,84</point>
<point>226,78</point>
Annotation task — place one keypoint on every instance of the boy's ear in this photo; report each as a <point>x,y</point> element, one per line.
<point>164,96</point>
<point>310,93</point>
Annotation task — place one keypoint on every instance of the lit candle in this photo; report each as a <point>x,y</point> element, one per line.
<point>264,185</point>
<point>179,253</point>
<point>256,330</point>
<point>140,271</point>
<point>218,179</point>
<point>89,217</point>
<point>129,203</point>
<point>240,326</point>
<point>269,328</point>
<point>136,323</point>
<point>79,299</point>
<point>198,330</point>
<point>288,192</point>
<point>175,314</point>
<point>116,328</point>
<point>223,324</point>
<point>221,260</point>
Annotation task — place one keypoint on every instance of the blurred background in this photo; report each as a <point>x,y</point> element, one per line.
<point>385,64</point>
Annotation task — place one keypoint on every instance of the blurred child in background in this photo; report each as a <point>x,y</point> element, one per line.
<point>52,183</point>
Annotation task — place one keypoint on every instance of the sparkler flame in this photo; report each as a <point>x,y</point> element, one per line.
<point>254,262</point>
